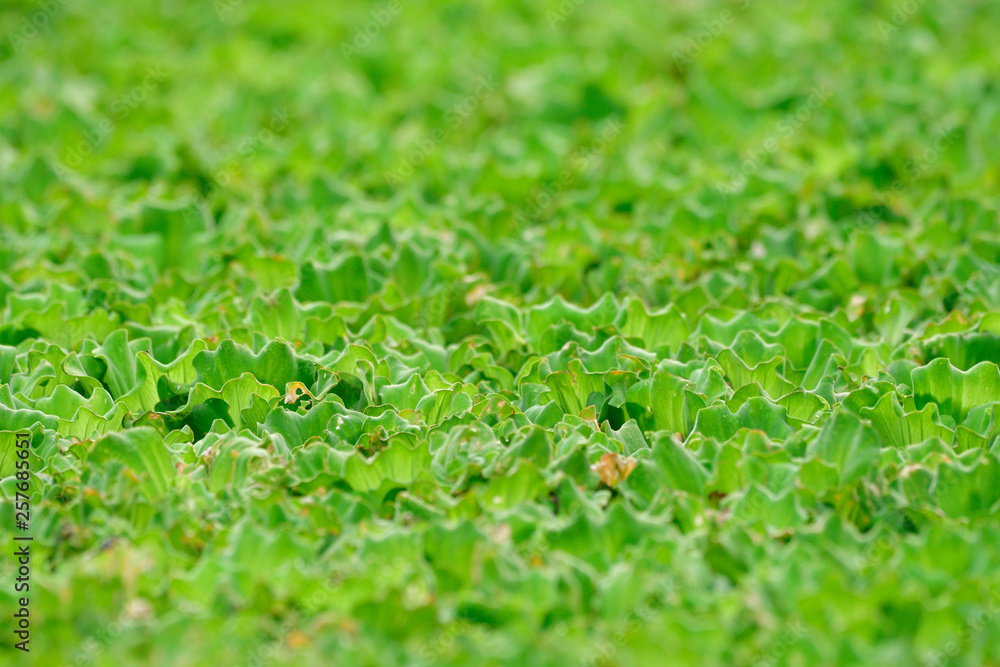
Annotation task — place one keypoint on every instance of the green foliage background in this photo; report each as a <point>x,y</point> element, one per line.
<point>599,333</point>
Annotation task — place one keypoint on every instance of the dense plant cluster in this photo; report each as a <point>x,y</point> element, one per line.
<point>593,349</point>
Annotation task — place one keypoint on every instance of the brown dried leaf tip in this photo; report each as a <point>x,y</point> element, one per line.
<point>612,468</point>
<point>294,391</point>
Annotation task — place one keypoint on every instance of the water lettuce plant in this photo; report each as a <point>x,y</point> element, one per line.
<point>501,333</point>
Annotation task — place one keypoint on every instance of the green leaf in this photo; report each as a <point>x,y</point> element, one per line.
<point>142,452</point>
<point>757,413</point>
<point>848,444</point>
<point>664,402</point>
<point>956,392</point>
<point>896,429</point>
<point>276,365</point>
